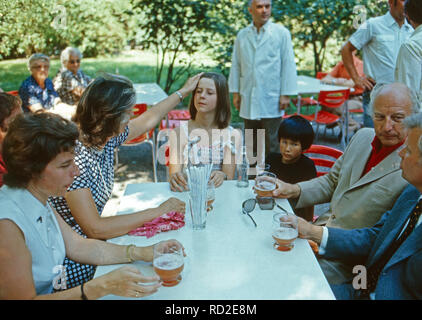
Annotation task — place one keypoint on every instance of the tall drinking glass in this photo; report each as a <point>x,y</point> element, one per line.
<point>265,184</point>
<point>284,231</point>
<point>168,262</point>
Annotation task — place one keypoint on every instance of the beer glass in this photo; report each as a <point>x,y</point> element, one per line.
<point>168,262</point>
<point>265,184</point>
<point>210,195</point>
<point>284,231</point>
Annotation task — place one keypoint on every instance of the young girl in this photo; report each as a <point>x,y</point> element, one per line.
<point>291,165</point>
<point>210,118</point>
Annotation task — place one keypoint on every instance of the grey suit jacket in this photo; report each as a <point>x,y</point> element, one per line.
<point>355,201</point>
<point>401,277</point>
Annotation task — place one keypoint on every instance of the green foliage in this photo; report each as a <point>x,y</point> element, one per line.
<point>49,26</point>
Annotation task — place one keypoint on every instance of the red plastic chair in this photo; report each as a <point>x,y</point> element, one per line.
<point>173,119</point>
<point>310,101</point>
<point>330,99</point>
<point>321,75</point>
<point>318,150</point>
<point>147,137</point>
<point>13,92</point>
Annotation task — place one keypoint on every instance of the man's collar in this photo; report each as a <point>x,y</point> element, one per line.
<point>391,21</point>
<point>264,27</point>
<point>377,145</point>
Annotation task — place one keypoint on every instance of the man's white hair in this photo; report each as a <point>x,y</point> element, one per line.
<point>412,122</point>
<point>400,88</point>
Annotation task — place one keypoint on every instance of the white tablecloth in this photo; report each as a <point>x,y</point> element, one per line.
<point>230,258</point>
<point>149,93</point>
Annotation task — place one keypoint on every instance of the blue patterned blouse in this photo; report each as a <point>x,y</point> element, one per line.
<point>31,93</point>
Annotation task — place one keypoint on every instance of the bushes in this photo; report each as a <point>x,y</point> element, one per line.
<point>49,26</point>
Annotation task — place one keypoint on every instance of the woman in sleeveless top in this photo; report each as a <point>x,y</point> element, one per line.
<point>210,118</point>
<point>39,152</point>
<point>103,117</point>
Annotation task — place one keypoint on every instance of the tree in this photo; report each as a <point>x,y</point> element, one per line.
<point>49,26</point>
<point>314,22</point>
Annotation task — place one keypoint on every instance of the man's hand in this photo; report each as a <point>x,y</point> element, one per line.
<point>286,190</point>
<point>284,102</point>
<point>366,83</point>
<point>309,231</point>
<point>236,100</point>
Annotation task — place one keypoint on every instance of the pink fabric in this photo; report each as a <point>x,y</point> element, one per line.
<point>169,221</point>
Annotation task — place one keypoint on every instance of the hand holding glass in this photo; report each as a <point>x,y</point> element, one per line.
<point>168,262</point>
<point>284,231</point>
<point>265,184</point>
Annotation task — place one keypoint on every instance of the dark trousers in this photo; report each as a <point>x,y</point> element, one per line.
<point>270,125</point>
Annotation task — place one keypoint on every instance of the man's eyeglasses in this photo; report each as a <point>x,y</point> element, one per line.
<point>265,203</point>
<point>74,61</point>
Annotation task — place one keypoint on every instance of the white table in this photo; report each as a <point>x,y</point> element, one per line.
<point>230,258</point>
<point>149,93</point>
<point>309,85</point>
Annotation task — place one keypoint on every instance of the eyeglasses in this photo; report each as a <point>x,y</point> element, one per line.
<point>74,61</point>
<point>38,67</point>
<point>265,203</point>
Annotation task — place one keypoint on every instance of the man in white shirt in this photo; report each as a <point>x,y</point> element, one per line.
<point>389,254</point>
<point>380,39</point>
<point>263,74</point>
<point>409,60</point>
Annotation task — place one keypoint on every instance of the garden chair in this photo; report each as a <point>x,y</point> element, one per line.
<point>148,137</point>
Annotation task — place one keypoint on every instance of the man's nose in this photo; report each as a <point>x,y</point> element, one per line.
<point>389,124</point>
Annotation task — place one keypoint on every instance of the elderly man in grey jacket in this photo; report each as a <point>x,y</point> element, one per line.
<point>366,180</point>
<point>387,256</point>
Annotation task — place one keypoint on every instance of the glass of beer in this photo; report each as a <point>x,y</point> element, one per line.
<point>265,184</point>
<point>284,231</point>
<point>210,195</point>
<point>168,262</point>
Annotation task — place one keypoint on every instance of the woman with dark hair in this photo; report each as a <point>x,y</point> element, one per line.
<point>295,135</point>
<point>210,118</point>
<point>39,152</point>
<point>10,107</point>
<point>103,118</point>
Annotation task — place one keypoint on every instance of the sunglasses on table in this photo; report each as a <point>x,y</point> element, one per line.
<point>265,203</point>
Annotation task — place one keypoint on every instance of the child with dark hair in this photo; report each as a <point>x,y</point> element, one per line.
<point>291,165</point>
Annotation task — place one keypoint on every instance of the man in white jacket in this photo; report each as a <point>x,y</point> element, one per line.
<point>263,74</point>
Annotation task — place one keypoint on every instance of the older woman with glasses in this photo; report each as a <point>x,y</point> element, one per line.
<point>71,81</point>
<point>37,91</point>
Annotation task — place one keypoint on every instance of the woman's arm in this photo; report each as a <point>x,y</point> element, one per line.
<point>151,117</point>
<point>16,280</point>
<point>177,143</point>
<point>84,210</point>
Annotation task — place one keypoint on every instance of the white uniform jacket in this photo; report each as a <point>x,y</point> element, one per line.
<point>263,68</point>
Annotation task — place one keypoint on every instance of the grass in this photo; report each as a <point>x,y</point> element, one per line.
<point>138,66</point>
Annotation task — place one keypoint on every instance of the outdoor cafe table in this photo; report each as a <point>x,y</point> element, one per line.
<point>230,259</point>
<point>149,93</point>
